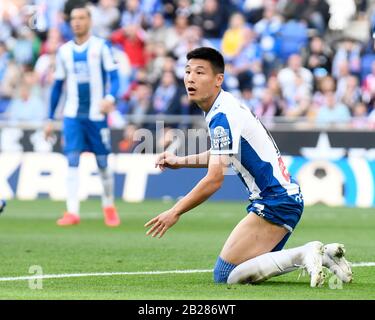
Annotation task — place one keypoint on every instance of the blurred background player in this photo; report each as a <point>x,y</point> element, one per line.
<point>85,63</point>
<point>253,252</point>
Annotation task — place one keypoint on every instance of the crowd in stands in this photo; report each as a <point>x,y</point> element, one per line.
<point>283,58</point>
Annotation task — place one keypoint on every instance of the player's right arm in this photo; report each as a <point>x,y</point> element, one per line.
<point>169,160</point>
<point>56,92</point>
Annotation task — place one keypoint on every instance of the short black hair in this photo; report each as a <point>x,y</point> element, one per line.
<point>215,58</point>
<point>70,5</point>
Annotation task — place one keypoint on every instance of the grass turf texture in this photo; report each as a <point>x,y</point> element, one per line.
<point>29,236</point>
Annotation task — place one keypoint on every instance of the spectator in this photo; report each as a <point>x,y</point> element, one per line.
<point>324,85</point>
<point>267,31</point>
<point>233,38</point>
<point>342,78</point>
<point>105,17</point>
<point>156,63</point>
<point>318,57</point>
<point>348,52</point>
<point>161,33</point>
<point>253,9</point>
<point>245,64</point>
<point>12,76</point>
<point>166,99</point>
<point>28,104</point>
<point>45,65</point>
<point>296,85</point>
<point>316,13</point>
<point>248,99</point>
<point>129,142</point>
<point>27,46</point>
<point>360,119</point>
<point>368,86</point>
<point>140,104</point>
<point>181,24</point>
<point>269,106</point>
<point>212,19</point>
<point>332,112</point>
<point>192,38</point>
<point>341,15</point>
<point>4,58</point>
<point>132,15</point>
<point>132,40</point>
<point>351,95</point>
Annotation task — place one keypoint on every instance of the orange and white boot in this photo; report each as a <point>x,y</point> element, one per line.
<point>111,218</point>
<point>68,219</point>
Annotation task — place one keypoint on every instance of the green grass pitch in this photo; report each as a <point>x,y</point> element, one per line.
<point>29,236</point>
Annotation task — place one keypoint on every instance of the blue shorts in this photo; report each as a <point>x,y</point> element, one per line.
<point>284,210</point>
<point>82,135</point>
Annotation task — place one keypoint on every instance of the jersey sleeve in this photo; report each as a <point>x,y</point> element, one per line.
<point>224,135</point>
<point>60,72</point>
<point>109,62</point>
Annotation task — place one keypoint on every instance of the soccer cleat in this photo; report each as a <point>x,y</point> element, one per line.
<point>111,217</point>
<point>334,259</point>
<point>312,262</point>
<point>68,219</point>
<point>3,203</point>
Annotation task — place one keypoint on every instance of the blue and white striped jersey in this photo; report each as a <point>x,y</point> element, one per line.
<point>235,131</point>
<point>85,69</point>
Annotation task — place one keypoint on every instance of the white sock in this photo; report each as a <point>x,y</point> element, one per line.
<point>72,183</point>
<point>267,265</point>
<point>107,181</point>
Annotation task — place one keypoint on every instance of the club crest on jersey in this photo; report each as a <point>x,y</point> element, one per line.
<point>221,138</point>
<point>81,70</point>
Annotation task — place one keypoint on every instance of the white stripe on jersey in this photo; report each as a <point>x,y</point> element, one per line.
<point>98,58</point>
<point>246,176</point>
<point>234,130</point>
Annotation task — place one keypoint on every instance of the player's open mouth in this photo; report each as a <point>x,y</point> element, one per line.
<point>191,90</point>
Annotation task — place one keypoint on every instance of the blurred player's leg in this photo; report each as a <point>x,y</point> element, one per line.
<point>71,217</point>
<point>110,213</point>
<point>73,144</point>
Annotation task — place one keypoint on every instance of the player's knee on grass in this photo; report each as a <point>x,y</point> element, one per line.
<point>73,159</point>
<point>102,161</point>
<point>222,270</point>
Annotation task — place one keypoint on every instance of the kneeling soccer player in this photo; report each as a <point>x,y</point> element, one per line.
<point>253,252</point>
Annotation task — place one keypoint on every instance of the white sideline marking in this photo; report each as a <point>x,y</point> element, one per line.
<point>105,274</point>
<point>360,264</point>
<point>102,274</point>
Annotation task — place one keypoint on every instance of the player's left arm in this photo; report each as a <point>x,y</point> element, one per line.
<point>110,66</point>
<point>200,193</point>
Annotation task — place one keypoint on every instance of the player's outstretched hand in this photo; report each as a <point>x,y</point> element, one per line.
<point>167,160</point>
<point>162,223</point>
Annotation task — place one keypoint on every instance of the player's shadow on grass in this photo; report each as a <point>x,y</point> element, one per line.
<point>275,284</point>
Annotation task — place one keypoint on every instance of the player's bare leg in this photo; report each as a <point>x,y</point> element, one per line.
<point>251,237</point>
<point>248,258</point>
